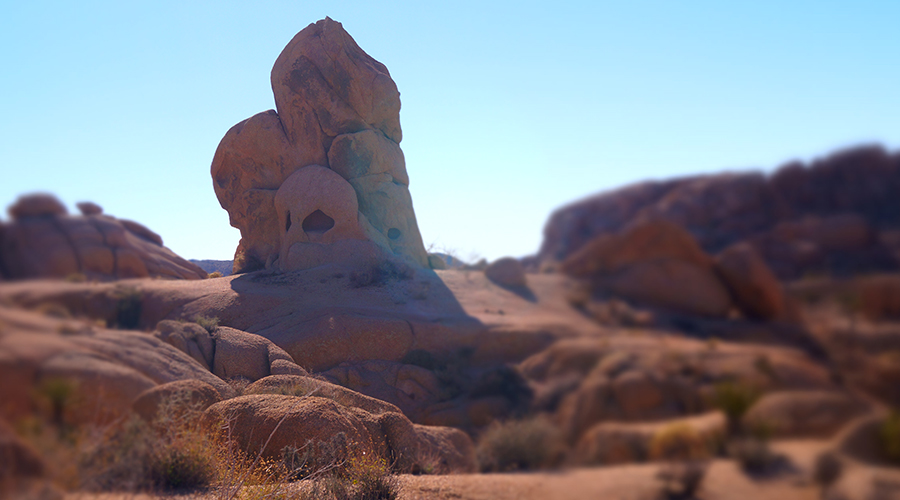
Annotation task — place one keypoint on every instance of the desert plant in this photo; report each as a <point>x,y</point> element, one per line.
<point>682,480</point>
<point>734,399</point>
<point>533,443</point>
<point>889,434</point>
<point>753,454</point>
<point>214,274</point>
<point>58,394</point>
<point>209,323</point>
<point>76,278</point>
<point>129,303</point>
<point>679,442</point>
<point>827,469</point>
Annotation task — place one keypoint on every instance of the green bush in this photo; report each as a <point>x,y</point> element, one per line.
<point>734,399</point>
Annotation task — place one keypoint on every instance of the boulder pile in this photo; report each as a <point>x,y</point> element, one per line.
<point>43,241</point>
<point>835,215</point>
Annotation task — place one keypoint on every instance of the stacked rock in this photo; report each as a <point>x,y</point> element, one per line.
<point>322,177</point>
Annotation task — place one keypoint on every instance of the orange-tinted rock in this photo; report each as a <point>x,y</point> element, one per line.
<point>821,217</point>
<point>655,263</point>
<point>89,208</point>
<point>330,428</point>
<point>55,245</point>
<point>641,243</point>
<point>19,464</point>
<point>337,108</point>
<point>672,285</point>
<point>756,291</point>
<point>36,205</point>
<point>506,272</point>
<point>612,443</point>
<point>181,395</point>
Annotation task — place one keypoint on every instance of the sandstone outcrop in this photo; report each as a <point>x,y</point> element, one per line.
<point>755,290</point>
<point>322,427</point>
<point>805,413</point>
<point>506,272</point>
<point>610,443</point>
<point>322,177</point>
<point>94,373</point>
<point>228,353</point>
<point>833,215</point>
<point>43,241</point>
<point>656,263</point>
<point>179,395</point>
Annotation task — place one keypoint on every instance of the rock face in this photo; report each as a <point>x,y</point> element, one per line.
<point>323,176</point>
<point>754,288</point>
<point>506,272</point>
<point>655,263</point>
<point>328,426</point>
<point>835,215</point>
<point>42,241</point>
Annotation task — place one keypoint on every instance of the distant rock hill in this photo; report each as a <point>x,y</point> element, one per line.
<point>212,266</point>
<point>837,215</point>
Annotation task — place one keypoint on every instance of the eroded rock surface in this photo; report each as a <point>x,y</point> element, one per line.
<point>337,110</point>
<point>43,241</point>
<point>837,214</point>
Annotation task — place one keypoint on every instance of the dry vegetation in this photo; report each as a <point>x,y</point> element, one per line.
<point>179,452</point>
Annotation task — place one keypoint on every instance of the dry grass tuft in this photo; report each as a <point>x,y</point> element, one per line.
<point>529,444</point>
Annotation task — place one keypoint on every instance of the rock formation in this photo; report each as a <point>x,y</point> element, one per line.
<point>836,215</point>
<point>43,241</point>
<point>322,177</point>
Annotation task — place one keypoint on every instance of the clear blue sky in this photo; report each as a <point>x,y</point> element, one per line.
<point>510,109</point>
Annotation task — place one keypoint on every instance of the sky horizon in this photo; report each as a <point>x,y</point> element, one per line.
<point>509,109</point>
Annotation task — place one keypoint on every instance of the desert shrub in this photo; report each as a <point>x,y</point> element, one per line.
<point>753,454</point>
<point>678,442</point>
<point>380,274</point>
<point>54,310</point>
<point>682,480</point>
<point>214,274</point>
<point>827,469</point>
<point>889,434</point>
<point>76,278</point>
<point>129,303</point>
<point>734,399</point>
<point>528,444</point>
<point>210,324</point>
<point>58,394</point>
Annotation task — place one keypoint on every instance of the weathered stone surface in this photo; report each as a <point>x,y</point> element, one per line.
<point>612,443</point>
<point>100,370</point>
<point>36,205</point>
<point>180,395</point>
<point>89,208</point>
<point>227,352</point>
<point>293,385</point>
<point>821,217</point>
<point>672,285</point>
<point>18,460</point>
<point>336,108</point>
<point>793,414</point>
<point>756,291</point>
<point>655,263</point>
<point>100,247</point>
<point>506,272</point>
<point>350,431</point>
<point>411,388</point>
